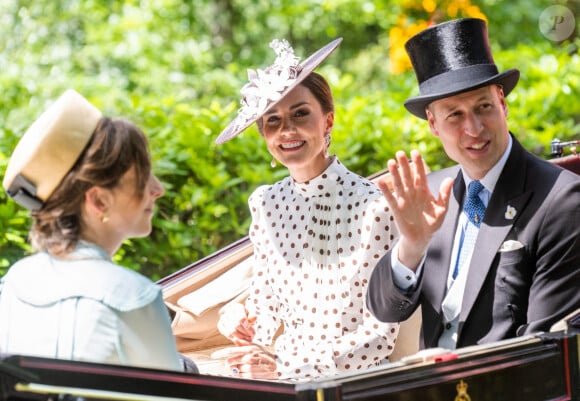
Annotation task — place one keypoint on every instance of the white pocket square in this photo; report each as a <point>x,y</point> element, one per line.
<point>510,245</point>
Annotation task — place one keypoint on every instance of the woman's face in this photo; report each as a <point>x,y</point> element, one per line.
<point>294,130</point>
<point>130,214</point>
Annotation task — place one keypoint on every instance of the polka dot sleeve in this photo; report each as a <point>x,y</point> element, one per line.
<point>261,301</point>
<point>365,341</point>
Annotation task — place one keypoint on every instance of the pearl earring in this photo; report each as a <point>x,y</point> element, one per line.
<point>273,163</point>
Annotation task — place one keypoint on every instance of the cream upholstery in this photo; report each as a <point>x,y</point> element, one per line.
<point>408,338</point>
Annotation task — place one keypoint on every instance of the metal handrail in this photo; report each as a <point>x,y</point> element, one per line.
<point>557,147</point>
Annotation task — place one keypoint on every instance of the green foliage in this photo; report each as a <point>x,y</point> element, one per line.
<point>175,68</point>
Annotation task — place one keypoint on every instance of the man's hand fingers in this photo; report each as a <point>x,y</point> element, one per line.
<point>396,180</point>
<point>445,192</point>
<point>386,190</point>
<point>420,174</point>
<point>405,170</point>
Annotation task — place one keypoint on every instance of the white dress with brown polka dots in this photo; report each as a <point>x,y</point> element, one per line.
<point>315,245</point>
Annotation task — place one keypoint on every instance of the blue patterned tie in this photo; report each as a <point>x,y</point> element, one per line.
<point>474,209</point>
<point>473,206</point>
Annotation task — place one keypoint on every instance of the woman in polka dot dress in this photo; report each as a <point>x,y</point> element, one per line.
<point>317,235</point>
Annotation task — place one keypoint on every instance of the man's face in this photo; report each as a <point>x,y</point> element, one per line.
<point>472,127</point>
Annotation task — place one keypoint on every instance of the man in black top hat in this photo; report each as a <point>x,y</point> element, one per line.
<point>489,248</point>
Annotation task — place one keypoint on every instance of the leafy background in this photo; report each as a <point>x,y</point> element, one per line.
<point>175,68</point>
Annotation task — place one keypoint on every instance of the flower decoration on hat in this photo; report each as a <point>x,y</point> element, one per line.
<point>266,86</point>
<point>510,212</point>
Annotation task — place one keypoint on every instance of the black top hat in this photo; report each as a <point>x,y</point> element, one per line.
<point>453,57</point>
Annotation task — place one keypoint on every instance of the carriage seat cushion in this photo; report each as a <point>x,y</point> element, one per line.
<point>220,290</point>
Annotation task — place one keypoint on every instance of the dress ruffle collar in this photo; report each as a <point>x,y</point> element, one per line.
<point>320,185</point>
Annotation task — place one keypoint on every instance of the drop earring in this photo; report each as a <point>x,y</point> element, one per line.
<point>273,163</point>
<point>328,139</point>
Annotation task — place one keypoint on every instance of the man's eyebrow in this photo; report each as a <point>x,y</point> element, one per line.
<point>456,104</point>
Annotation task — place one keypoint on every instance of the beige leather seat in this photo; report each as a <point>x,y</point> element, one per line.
<point>408,338</point>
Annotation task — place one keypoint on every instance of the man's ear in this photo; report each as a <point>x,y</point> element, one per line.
<point>502,100</point>
<point>97,200</point>
<point>431,121</point>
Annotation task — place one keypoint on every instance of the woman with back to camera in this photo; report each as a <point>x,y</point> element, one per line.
<point>87,180</point>
<point>316,236</point>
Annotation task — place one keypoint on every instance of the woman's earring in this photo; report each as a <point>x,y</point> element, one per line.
<point>104,217</point>
<point>273,163</point>
<point>328,138</point>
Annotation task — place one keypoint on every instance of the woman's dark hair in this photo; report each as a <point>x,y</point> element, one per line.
<point>115,146</point>
<point>321,91</point>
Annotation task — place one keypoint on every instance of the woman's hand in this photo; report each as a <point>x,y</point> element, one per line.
<point>250,361</point>
<point>236,325</point>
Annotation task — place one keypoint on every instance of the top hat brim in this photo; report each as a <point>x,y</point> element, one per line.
<point>507,80</point>
<point>307,66</point>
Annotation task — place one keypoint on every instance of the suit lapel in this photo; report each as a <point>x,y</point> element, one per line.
<point>439,253</point>
<point>448,228</point>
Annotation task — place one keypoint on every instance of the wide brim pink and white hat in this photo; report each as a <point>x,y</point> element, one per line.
<point>49,149</point>
<point>267,87</point>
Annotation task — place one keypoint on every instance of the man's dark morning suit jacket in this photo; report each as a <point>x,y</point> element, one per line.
<point>509,293</point>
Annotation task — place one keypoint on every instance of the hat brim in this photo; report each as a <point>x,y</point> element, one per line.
<point>307,66</point>
<point>508,80</point>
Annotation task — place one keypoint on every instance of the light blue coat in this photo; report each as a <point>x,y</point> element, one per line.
<point>85,308</point>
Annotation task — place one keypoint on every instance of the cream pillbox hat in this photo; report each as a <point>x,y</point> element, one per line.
<point>49,149</point>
